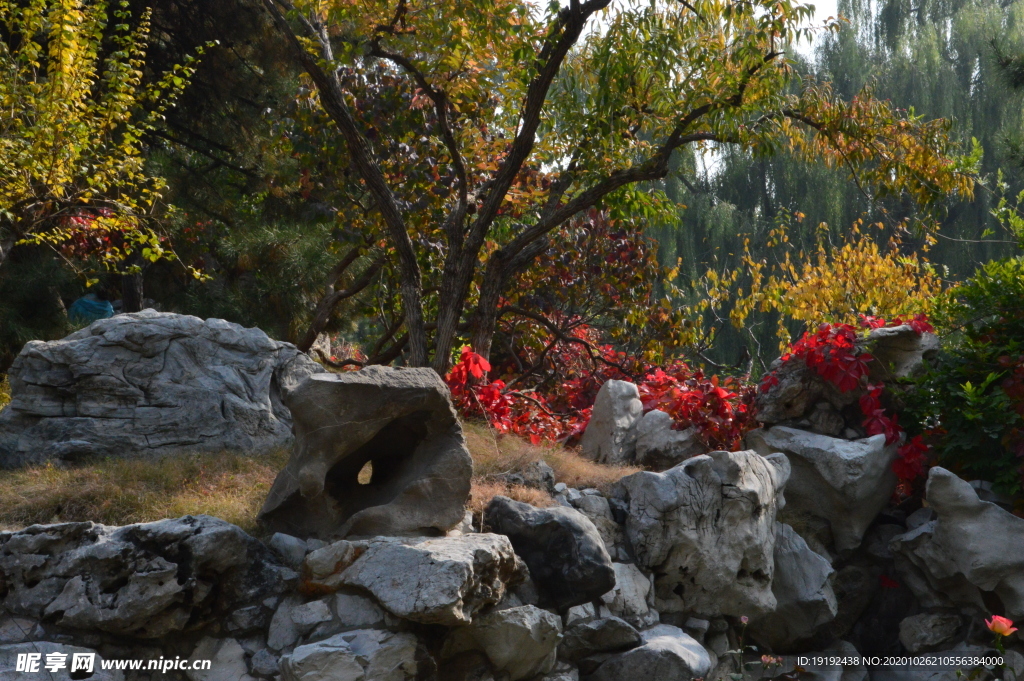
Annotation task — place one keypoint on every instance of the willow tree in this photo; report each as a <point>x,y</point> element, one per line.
<point>521,119</point>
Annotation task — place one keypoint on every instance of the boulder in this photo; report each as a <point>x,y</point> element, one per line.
<point>68,656</point>
<point>521,641</point>
<point>803,590</point>
<point>629,599</point>
<point>567,559</point>
<point>536,475</point>
<point>706,528</point>
<point>358,612</point>
<point>605,635</point>
<point>611,434</point>
<point>146,384</point>
<point>667,654</point>
<point>398,420</point>
<point>846,482</point>
<point>227,661</point>
<point>928,631</point>
<point>142,581</point>
<point>445,580</point>
<point>899,352</point>
<point>659,447</point>
<point>364,655</point>
<point>971,547</point>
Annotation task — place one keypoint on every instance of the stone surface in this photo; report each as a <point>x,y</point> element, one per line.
<point>308,615</point>
<point>400,421</point>
<point>659,447</point>
<point>291,549</point>
<point>629,598</point>
<point>611,434</point>
<point>283,631</point>
<point>520,642</point>
<point>15,629</point>
<point>667,654</point>
<point>899,352</point>
<point>358,612</point>
<point>971,547</point>
<point>608,634</point>
<point>146,384</point>
<point>9,663</point>
<point>803,592</point>
<point>566,556</point>
<point>706,528</point>
<point>142,581</point>
<point>846,482</point>
<point>227,661</point>
<point>928,631</point>
<point>364,655</point>
<point>537,475</point>
<point>598,510</point>
<point>446,580</point>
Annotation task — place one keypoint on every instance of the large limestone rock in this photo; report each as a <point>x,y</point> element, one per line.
<point>141,581</point>
<point>568,561</point>
<point>398,420</point>
<point>659,447</point>
<point>629,599</point>
<point>150,383</point>
<point>364,655</point>
<point>611,434</point>
<point>971,547</point>
<point>604,635</point>
<point>706,528</point>
<point>9,655</point>
<point>803,590</point>
<point>846,482</point>
<point>667,654</point>
<point>444,580</point>
<point>521,642</point>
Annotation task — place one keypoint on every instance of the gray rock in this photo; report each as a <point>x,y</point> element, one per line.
<point>803,592</point>
<point>264,663</point>
<point>15,629</point>
<point>563,671</point>
<point>520,642</point>
<point>365,655</point>
<point>611,434</point>
<point>227,661</point>
<point>928,631</point>
<point>919,518</point>
<point>247,619</point>
<point>537,475</point>
<point>358,612</point>
<point>659,447</point>
<point>446,580</point>
<point>630,597</point>
<point>608,634</point>
<point>291,549</point>
<point>397,419</point>
<point>667,654</point>
<point>580,613</point>
<point>899,352</point>
<point>147,384</point>
<point>971,547</point>
<point>283,631</point>
<point>598,510</point>
<point>566,556</point>
<point>706,529</point>
<point>308,615</point>
<point>9,662</point>
<point>846,482</point>
<point>142,581</point>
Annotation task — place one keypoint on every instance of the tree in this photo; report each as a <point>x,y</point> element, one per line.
<point>518,123</point>
<point>73,114</point>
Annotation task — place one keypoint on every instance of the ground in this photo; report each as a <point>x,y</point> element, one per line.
<point>233,486</point>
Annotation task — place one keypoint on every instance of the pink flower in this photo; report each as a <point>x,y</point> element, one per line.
<point>745,619</point>
<point>1001,626</point>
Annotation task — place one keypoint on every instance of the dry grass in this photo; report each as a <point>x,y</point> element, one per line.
<point>5,391</point>
<point>495,454</point>
<point>120,491</point>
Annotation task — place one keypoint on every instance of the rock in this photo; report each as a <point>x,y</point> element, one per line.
<point>580,613</point>
<point>563,671</point>
<point>795,393</point>
<point>15,629</point>
<point>629,598</point>
<point>803,592</point>
<point>598,510</point>
<point>537,475</point>
<point>971,547</point>
<point>608,634</point>
<point>855,587</point>
<point>899,352</point>
<point>567,559</point>
<point>826,420</point>
<point>141,581</point>
<point>358,612</point>
<point>611,434</point>
<point>446,580</point>
<point>468,666</point>
<point>365,655</point>
<point>706,528</point>
<point>308,615</point>
<point>283,631</point>
<point>846,482</point>
<point>928,631</point>
<point>67,655</point>
<point>919,518</point>
<point>227,661</point>
<point>291,549</point>
<point>400,421</point>
<point>876,541</point>
<point>659,447</point>
<point>148,384</point>
<point>667,654</point>
<point>520,642</point>
<point>264,663</point>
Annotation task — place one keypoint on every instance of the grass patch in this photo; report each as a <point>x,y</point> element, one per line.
<point>5,391</point>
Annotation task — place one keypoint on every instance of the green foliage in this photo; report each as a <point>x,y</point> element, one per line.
<point>971,400</point>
